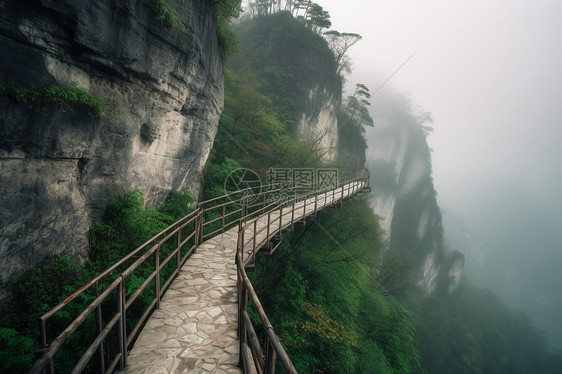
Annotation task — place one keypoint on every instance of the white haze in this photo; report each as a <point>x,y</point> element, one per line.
<point>491,74</point>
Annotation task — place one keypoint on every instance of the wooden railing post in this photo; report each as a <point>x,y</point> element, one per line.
<point>242,249</point>
<point>157,278</point>
<point>270,356</point>
<point>123,301</point>
<point>255,236</point>
<point>178,254</point>
<point>44,346</point>
<point>280,218</point>
<point>199,234</point>
<point>242,305</point>
<point>99,328</point>
<point>293,213</point>
<point>268,223</point>
<point>304,210</point>
<point>121,332</point>
<point>316,204</point>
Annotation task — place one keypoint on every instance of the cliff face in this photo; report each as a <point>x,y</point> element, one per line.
<point>298,66</point>
<point>319,119</point>
<point>404,196</point>
<point>59,167</point>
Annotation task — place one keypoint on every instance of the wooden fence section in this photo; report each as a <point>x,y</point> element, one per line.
<point>257,234</point>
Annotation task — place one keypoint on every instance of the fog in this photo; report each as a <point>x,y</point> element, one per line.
<point>490,73</point>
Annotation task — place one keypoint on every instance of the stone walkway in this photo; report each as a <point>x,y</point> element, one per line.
<point>195,328</point>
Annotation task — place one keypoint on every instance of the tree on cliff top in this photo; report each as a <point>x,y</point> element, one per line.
<point>306,11</point>
<point>314,17</point>
<point>340,43</point>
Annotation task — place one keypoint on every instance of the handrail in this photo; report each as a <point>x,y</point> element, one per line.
<point>119,313</point>
<point>263,358</point>
<point>183,235</point>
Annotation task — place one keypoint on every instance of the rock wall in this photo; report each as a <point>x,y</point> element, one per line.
<point>59,167</point>
<point>319,119</point>
<point>404,196</point>
<point>299,67</point>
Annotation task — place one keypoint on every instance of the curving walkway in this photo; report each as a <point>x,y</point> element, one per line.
<point>195,328</point>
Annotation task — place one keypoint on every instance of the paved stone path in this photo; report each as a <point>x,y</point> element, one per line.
<point>195,328</point>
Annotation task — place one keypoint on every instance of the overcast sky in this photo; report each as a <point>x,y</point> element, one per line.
<point>490,72</point>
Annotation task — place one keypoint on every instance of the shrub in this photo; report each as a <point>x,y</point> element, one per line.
<point>179,204</point>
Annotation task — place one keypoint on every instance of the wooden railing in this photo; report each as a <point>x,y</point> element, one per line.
<point>166,252</point>
<point>258,233</point>
<point>183,235</point>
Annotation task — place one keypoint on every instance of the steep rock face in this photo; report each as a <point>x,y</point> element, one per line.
<point>299,68</point>
<point>404,197</point>
<point>319,119</point>
<point>59,167</point>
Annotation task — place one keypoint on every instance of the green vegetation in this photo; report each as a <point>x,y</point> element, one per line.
<point>37,292</point>
<point>255,133</point>
<point>319,293</point>
<point>125,226</point>
<point>164,12</point>
<point>263,104</point>
<point>281,55</point>
<point>225,10</point>
<point>68,97</point>
<point>316,19</point>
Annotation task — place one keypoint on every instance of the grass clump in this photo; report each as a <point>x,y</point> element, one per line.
<point>70,96</point>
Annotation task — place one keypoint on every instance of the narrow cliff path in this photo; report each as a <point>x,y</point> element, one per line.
<point>195,328</point>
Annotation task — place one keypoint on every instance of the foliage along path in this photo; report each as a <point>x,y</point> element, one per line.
<point>195,328</point>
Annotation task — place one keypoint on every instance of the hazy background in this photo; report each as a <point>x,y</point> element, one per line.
<point>490,72</point>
